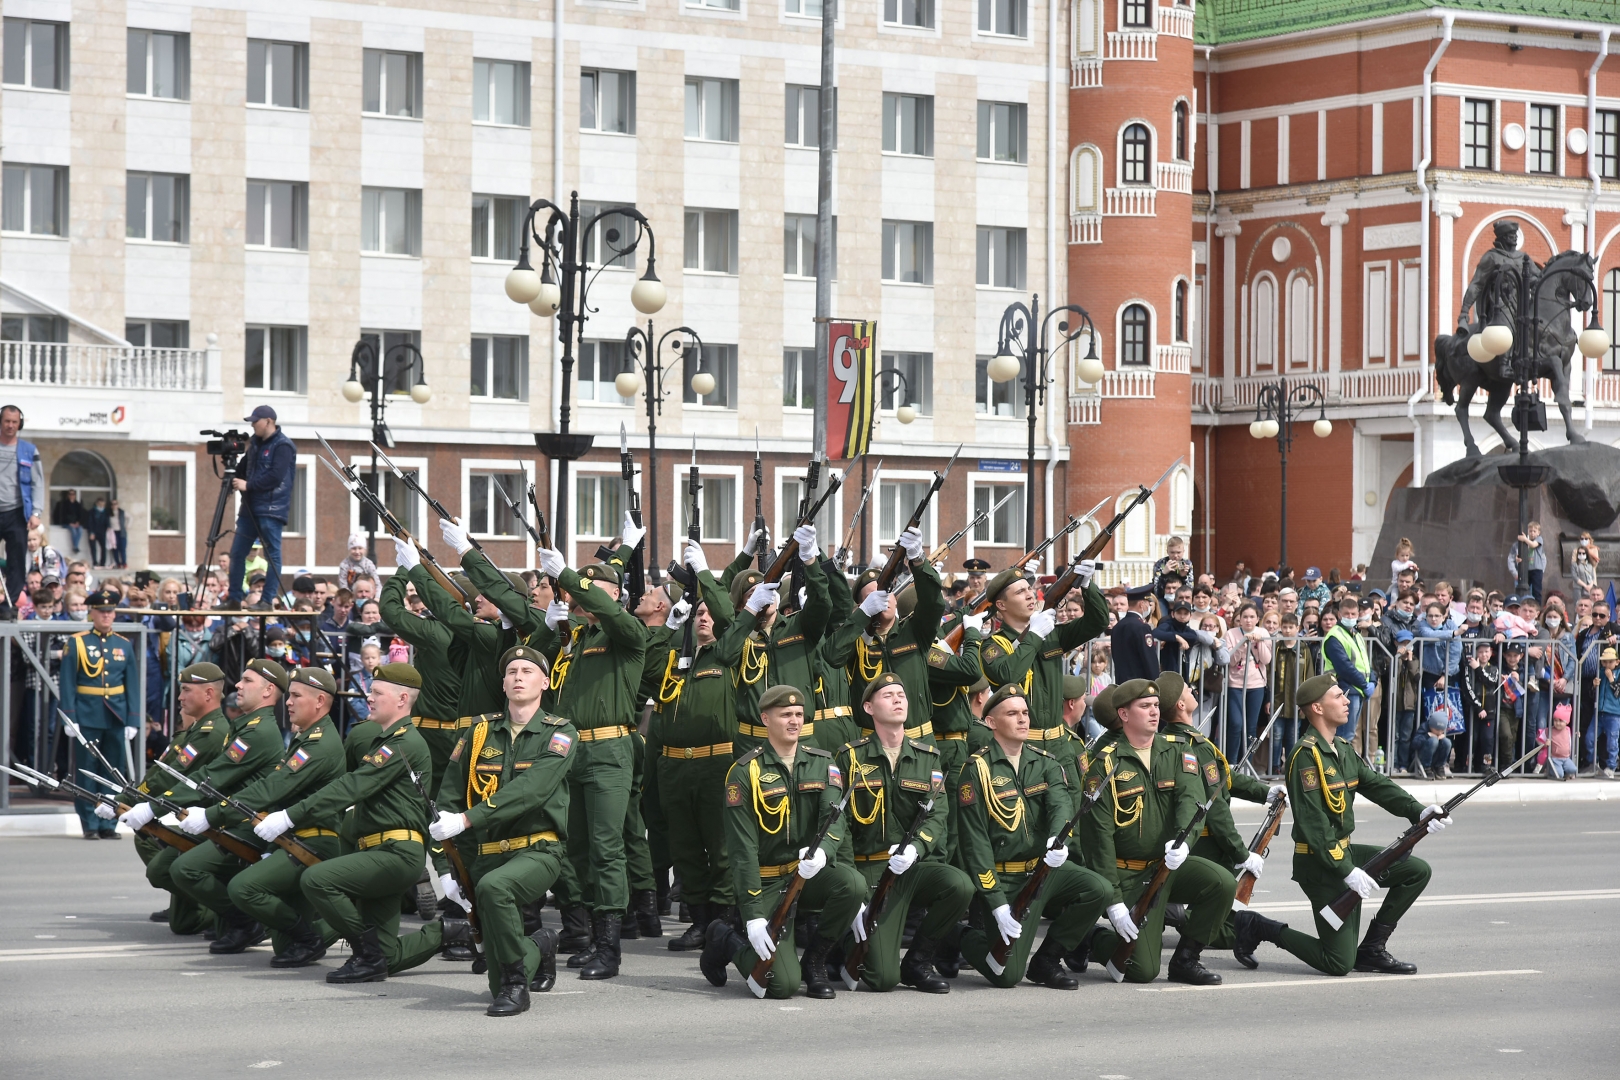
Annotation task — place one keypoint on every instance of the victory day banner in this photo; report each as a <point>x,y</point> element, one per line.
<point>851,387</point>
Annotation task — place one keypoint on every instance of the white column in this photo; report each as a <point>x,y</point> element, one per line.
<point>1335,220</point>
<point>1228,231</point>
<point>1576,220</point>
<point>1448,212</point>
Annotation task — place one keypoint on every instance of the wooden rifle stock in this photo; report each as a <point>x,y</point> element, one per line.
<point>982,604</point>
<point>855,960</point>
<point>790,549</point>
<point>1260,845</point>
<point>1144,904</point>
<point>290,844</point>
<point>781,918</point>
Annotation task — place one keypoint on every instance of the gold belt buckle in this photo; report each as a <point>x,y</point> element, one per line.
<point>506,845</point>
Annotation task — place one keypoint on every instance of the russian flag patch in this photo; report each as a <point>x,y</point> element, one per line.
<point>835,776</point>
<point>939,780</point>
<point>187,754</point>
<point>560,744</point>
<point>298,760</point>
<point>237,750</point>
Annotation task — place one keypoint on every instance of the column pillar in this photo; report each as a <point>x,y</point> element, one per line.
<point>1228,230</point>
<point>1335,220</point>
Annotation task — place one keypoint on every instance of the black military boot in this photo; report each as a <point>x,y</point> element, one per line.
<point>1046,967</point>
<point>1185,967</point>
<point>1079,957</point>
<point>533,917</point>
<point>816,983</point>
<point>545,977</point>
<point>1372,956</point>
<point>304,949</point>
<point>644,902</point>
<point>628,929</point>
<point>693,938</point>
<point>457,942</point>
<point>914,918</point>
<point>948,953</point>
<point>917,968</point>
<point>513,996</point>
<point>1175,917</point>
<point>721,944</point>
<point>159,916</point>
<point>367,964</point>
<point>663,890</point>
<point>604,962</point>
<point>576,935</point>
<point>1252,929</point>
<point>242,932</point>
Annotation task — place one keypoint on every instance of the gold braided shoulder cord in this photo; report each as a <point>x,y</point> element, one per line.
<point>955,690</point>
<point>780,812</point>
<point>564,661</point>
<point>479,788</point>
<point>868,669</point>
<point>877,811</point>
<point>669,691</point>
<point>93,671</point>
<point>756,659</point>
<point>1012,820</point>
<point>1335,803</point>
<point>1124,818</point>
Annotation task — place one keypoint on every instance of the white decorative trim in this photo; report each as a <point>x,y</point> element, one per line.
<point>1399,235</point>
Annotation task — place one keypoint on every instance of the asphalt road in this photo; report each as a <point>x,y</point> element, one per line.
<point>1515,944</point>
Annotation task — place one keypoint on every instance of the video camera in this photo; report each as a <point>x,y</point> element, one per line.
<point>230,444</point>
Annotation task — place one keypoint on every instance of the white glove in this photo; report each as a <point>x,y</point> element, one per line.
<point>71,728</point>
<point>169,821</point>
<point>506,624</point>
<point>1252,862</point>
<point>858,927</point>
<point>1434,820</point>
<point>630,533</point>
<point>811,864</point>
<point>974,622</point>
<point>1361,882</point>
<point>678,613</point>
<point>1275,790</point>
<point>1055,857</point>
<point>131,734</point>
<point>875,603</point>
<point>195,823</point>
<point>765,595</point>
<point>1175,854</point>
<point>1083,572</point>
<point>900,861</point>
<point>556,614</point>
<point>910,542</point>
<point>106,811</point>
<point>405,556</point>
<point>138,816</point>
<point>551,562</point>
<point>693,556</point>
<point>448,825</point>
<point>1042,622</point>
<point>1010,928</point>
<point>455,536</point>
<point>759,936</point>
<point>756,542</point>
<point>805,537</point>
<point>1124,926</point>
<point>273,825</point>
<point>452,891</point>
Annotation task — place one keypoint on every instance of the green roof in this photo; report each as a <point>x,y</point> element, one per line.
<point>1221,21</point>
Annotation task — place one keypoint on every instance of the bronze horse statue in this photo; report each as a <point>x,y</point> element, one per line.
<point>1565,282</point>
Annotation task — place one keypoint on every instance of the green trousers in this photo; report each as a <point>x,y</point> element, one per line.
<point>638,864</point>
<point>837,892</point>
<point>440,742</point>
<point>953,754</point>
<point>186,916</point>
<point>1206,889</point>
<point>502,884</point>
<point>693,794</point>
<point>358,892</point>
<point>1226,934</point>
<point>204,873</point>
<point>937,886</point>
<point>269,892</point>
<point>1082,894</point>
<point>599,788</point>
<point>1333,952</point>
<point>652,812</point>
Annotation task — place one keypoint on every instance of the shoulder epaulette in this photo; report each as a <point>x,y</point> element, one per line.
<point>253,723</point>
<point>815,752</point>
<point>1038,750</point>
<point>924,747</point>
<point>1174,738</point>
<point>399,732</point>
<point>751,755</point>
<point>862,741</point>
<point>555,721</point>
<point>981,751</point>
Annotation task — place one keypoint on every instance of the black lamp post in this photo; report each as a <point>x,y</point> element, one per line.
<point>1276,408</point>
<point>562,288</point>
<point>648,370</point>
<point>370,374</point>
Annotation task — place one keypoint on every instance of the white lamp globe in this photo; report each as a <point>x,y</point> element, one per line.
<point>1003,367</point>
<point>1257,428</point>
<point>353,391</point>
<point>522,285</point>
<point>1323,428</point>
<point>421,393</point>
<point>1594,342</point>
<point>648,295</point>
<point>905,414</point>
<point>627,383</point>
<point>1090,370</point>
<point>1477,350</point>
<point>1498,339</point>
<point>547,300</point>
<point>703,384</point>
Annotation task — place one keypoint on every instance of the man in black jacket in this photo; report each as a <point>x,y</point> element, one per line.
<point>265,479</point>
<point>1131,639</point>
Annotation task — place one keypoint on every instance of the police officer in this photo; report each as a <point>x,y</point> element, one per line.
<point>98,687</point>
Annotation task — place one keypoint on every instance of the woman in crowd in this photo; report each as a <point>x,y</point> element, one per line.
<point>1247,650</point>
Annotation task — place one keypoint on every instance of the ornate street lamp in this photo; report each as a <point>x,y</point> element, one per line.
<point>1275,410</point>
<point>370,374</point>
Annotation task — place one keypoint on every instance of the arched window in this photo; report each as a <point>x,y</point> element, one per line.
<point>1137,152</point>
<point>1134,335</point>
<point>1263,352</point>
<point>1181,311</point>
<point>1181,501</point>
<point>1181,131</point>
<point>1087,27</point>
<point>1085,176</point>
<point>1301,322</point>
<point>85,472</point>
<point>1135,537</point>
<point>1611,318</point>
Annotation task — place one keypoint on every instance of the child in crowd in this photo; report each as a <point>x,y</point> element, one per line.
<point>1401,562</point>
<point>1560,756</point>
<point>1607,723</point>
<point>1528,548</point>
<point>1431,747</point>
<point>357,566</point>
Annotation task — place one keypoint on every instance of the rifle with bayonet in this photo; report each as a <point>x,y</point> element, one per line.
<point>409,480</point>
<point>637,577</point>
<point>1056,591</point>
<point>759,503</point>
<point>842,555</point>
<point>782,919</point>
<point>683,574</point>
<point>982,602</point>
<point>286,841</point>
<point>787,555</point>
<point>458,868</point>
<point>152,830</point>
<point>517,511</point>
<point>240,848</point>
<point>956,538</point>
<point>1144,903</point>
<point>897,556</point>
<point>855,959</point>
<point>1267,832</point>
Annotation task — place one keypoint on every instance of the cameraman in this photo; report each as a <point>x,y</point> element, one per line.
<point>265,478</point>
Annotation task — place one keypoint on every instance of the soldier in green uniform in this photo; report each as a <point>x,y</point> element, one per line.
<point>477,640</point>
<point>1013,803</point>
<point>358,893</point>
<point>101,696</point>
<point>834,718</point>
<point>891,778</point>
<point>1324,777</point>
<point>778,796</point>
<point>508,786</point>
<point>902,641</point>
<point>1155,790</point>
<point>265,895</point>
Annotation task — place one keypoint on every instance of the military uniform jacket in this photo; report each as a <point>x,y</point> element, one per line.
<point>949,677</point>
<point>884,802</point>
<point>771,812</point>
<point>1140,809</point>
<point>1323,779</point>
<point>1004,816</point>
<point>253,746</point>
<point>313,759</point>
<point>192,749</point>
<point>1036,664</point>
<point>511,787</point>
<point>597,670</point>
<point>782,656</point>
<point>835,711</point>
<point>699,709</point>
<point>379,787</point>
<point>97,681</point>
<point>661,676</point>
<point>903,650</point>
<point>1220,784</point>
<point>475,649</point>
<point>432,642</point>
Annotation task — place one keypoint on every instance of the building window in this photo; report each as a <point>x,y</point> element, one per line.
<point>298,503</point>
<point>159,64</point>
<point>908,252</point>
<point>36,329</point>
<point>278,214</point>
<point>1135,536</point>
<point>36,54</point>
<point>788,507</point>
<point>711,109</point>
<point>487,513</point>
<point>1477,141</point>
<point>278,74</point>
<point>600,362</point>
<point>1136,15</point>
<point>993,398</point>
<point>1181,312</point>
<point>1009,18</point>
<point>1301,322</point>
<point>155,208</point>
<point>497,226</point>
<point>918,388</point>
<point>804,117</point>
<point>1006,525</point>
<point>908,125</point>
<point>719,361</point>
<point>798,374</point>
<point>1134,335</point>
<point>799,246</point>
<point>500,367</point>
<point>719,507</point>
<point>1085,180</point>
<point>1137,145</point>
<point>718,5</point>
<point>897,501</point>
<point>401,501</point>
<point>1376,305</point>
<point>918,13</point>
<point>1411,313</point>
<point>393,84</point>
<point>810,9</point>
<point>273,358</point>
<point>1541,142</point>
<point>391,221</point>
<point>1001,258</point>
<point>607,101</point>
<point>598,505</point>
<point>608,244</point>
<point>1606,143</point>
<point>401,376</point>
<point>1264,353</point>
<point>501,92</point>
<point>1181,131</point>
<point>35,200</point>
<point>1003,132</point>
<point>711,241</point>
<point>158,333</point>
<point>167,498</point>
<point>1611,314</point>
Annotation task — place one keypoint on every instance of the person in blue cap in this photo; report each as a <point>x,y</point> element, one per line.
<point>264,477</point>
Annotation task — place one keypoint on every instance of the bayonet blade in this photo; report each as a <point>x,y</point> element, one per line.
<point>624,439</point>
<point>949,465</point>
<point>1100,504</point>
<point>382,457</point>
<point>1167,473</point>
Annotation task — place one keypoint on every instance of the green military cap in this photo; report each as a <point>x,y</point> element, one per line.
<point>867,576</point>
<point>399,675</point>
<point>1312,690</point>
<point>1102,709</point>
<point>888,678</point>
<point>1134,690</point>
<point>742,583</point>
<point>606,573</point>
<point>673,590</point>
<point>319,678</point>
<point>515,580</point>
<point>1008,690</point>
<point>780,697</point>
<point>908,600</point>
<point>979,687</point>
<point>1171,687</point>
<point>271,671</point>
<point>524,652</point>
<point>202,673</point>
<point>1075,686</point>
<point>999,583</point>
<point>463,582</point>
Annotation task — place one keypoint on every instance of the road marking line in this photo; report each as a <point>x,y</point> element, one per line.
<point>1462,900</point>
<point>1600,832</point>
<point>1335,981</point>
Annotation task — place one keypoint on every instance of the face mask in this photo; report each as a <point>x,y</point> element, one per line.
<point>278,651</point>
<point>1473,617</point>
<point>1554,622</point>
